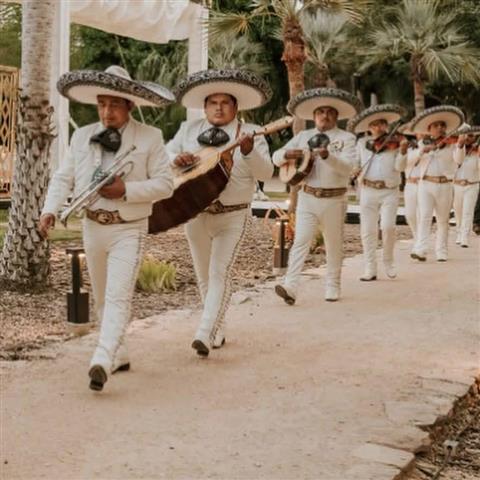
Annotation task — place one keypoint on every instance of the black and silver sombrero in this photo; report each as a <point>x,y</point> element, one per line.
<point>387,111</point>
<point>85,85</point>
<point>304,104</point>
<point>469,130</point>
<point>248,88</point>
<point>452,116</point>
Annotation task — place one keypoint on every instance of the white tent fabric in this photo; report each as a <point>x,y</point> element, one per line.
<point>157,21</point>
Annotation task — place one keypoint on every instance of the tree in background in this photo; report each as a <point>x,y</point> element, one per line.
<point>24,262</point>
<point>429,36</point>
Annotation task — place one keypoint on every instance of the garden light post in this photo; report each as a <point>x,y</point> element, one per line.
<point>77,300</point>
<point>281,249</point>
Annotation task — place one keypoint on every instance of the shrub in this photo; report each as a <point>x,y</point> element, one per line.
<point>156,276</point>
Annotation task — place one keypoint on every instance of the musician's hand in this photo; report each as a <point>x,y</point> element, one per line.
<point>246,143</point>
<point>46,222</point>
<point>461,141</point>
<point>116,189</point>
<point>321,152</point>
<point>184,159</point>
<point>404,147</point>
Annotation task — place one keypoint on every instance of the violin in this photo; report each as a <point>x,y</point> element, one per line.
<point>379,144</point>
<point>440,142</point>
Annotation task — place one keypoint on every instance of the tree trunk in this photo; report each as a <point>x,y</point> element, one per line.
<point>294,57</point>
<point>24,262</point>
<point>418,87</point>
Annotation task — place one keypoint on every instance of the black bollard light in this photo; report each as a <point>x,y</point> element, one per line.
<point>281,249</point>
<point>77,300</point>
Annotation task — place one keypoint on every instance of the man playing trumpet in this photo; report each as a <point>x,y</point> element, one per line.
<point>116,223</point>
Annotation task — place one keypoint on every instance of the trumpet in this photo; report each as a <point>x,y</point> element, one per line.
<point>90,194</point>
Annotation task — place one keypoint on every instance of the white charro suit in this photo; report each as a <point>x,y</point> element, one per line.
<point>465,185</point>
<point>410,193</point>
<point>434,197</point>
<point>114,252</point>
<point>379,167</point>
<point>329,213</point>
<point>215,239</point>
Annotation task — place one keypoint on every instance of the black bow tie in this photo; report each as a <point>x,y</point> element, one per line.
<point>110,139</point>
<point>213,137</point>
<point>320,140</point>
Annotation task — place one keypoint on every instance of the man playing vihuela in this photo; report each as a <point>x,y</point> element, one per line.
<point>434,156</point>
<point>115,225</point>
<point>215,235</point>
<point>381,158</point>
<point>466,182</point>
<point>322,200</point>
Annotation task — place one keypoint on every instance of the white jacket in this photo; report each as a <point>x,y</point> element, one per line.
<point>385,165</point>
<point>150,179</point>
<point>246,168</point>
<point>435,163</point>
<point>334,171</point>
<point>468,166</point>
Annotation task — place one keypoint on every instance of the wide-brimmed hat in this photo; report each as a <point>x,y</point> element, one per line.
<point>248,88</point>
<point>387,111</point>
<point>304,104</point>
<point>84,86</point>
<point>452,116</point>
<point>468,130</point>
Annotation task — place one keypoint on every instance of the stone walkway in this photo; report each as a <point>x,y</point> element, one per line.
<point>328,391</point>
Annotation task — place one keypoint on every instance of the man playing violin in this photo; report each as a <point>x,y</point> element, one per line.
<point>215,235</point>
<point>466,182</point>
<point>434,156</point>
<point>322,201</point>
<point>381,158</point>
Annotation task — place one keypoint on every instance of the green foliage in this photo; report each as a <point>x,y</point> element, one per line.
<point>10,34</point>
<point>156,276</point>
<point>317,242</point>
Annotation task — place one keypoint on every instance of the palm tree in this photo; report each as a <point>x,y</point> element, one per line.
<point>24,261</point>
<point>429,36</point>
<point>288,15</point>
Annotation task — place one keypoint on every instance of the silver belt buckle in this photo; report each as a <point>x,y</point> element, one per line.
<point>104,217</point>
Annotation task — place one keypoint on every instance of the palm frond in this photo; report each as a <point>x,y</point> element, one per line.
<point>223,26</point>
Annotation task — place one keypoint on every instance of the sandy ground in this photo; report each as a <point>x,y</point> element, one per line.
<point>329,391</point>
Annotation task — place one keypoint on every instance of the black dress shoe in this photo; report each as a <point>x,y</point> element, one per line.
<point>221,344</point>
<point>201,348</point>
<point>463,245</point>
<point>281,292</point>
<point>122,368</point>
<point>415,256</point>
<point>368,279</point>
<point>98,378</point>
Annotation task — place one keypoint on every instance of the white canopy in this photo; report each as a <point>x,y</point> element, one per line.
<point>156,21</point>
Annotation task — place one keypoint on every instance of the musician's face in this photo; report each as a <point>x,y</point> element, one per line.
<point>113,111</point>
<point>220,109</point>
<point>378,128</point>
<point>325,118</point>
<point>469,138</point>
<point>437,129</point>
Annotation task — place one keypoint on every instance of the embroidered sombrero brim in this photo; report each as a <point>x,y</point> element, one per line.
<point>388,112</point>
<point>249,89</point>
<point>452,116</point>
<point>304,104</point>
<point>85,85</point>
<point>468,130</point>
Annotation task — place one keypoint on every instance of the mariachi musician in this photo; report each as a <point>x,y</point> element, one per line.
<point>436,170</point>
<point>381,159</point>
<point>214,236</point>
<point>116,223</point>
<point>466,181</point>
<point>322,199</point>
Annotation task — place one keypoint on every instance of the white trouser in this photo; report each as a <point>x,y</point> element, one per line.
<point>312,212</point>
<point>114,253</point>
<point>464,200</point>
<point>214,241</point>
<point>433,197</point>
<point>375,203</point>
<point>410,195</point>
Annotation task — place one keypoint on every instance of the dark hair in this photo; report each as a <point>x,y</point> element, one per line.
<point>325,106</point>
<point>234,100</point>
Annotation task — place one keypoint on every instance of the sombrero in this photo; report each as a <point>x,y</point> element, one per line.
<point>388,112</point>
<point>85,85</point>
<point>249,89</point>
<point>466,129</point>
<point>304,104</point>
<point>452,116</point>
